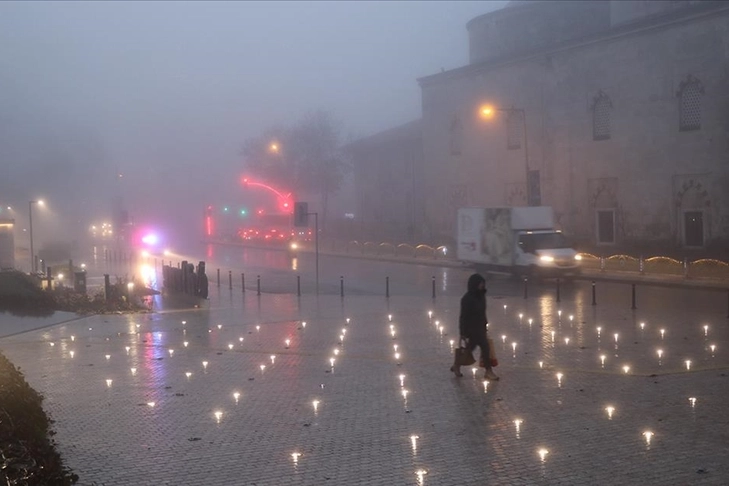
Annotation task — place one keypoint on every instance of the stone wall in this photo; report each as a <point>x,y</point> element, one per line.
<point>648,171</point>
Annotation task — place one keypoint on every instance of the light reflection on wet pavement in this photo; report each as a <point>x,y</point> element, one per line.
<point>240,391</point>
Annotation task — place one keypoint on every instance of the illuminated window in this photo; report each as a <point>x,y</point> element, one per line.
<point>514,130</point>
<point>689,104</point>
<point>601,108</point>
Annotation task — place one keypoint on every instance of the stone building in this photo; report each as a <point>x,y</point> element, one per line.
<point>616,113</point>
<point>389,185</point>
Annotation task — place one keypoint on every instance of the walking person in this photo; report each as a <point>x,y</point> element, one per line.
<point>472,323</point>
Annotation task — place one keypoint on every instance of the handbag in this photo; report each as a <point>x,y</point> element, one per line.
<point>492,355</point>
<point>463,355</point>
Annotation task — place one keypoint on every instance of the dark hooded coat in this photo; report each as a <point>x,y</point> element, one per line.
<point>472,320</point>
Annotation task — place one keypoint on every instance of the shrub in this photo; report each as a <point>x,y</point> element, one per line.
<point>27,454</point>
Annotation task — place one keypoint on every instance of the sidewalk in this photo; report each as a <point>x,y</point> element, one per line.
<point>374,418</point>
<point>588,273</point>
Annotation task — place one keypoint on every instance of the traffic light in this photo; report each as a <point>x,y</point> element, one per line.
<point>301,214</point>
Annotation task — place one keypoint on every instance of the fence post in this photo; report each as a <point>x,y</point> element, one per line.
<point>525,287</point>
<point>218,277</point>
<point>341,286</point>
<point>230,279</point>
<point>633,297</point>
<point>258,285</point>
<point>387,287</point>
<point>433,286</point>
<point>298,285</point>
<point>243,281</point>
<point>594,300</point>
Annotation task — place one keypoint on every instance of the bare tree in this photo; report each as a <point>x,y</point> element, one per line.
<point>319,160</point>
<point>307,156</point>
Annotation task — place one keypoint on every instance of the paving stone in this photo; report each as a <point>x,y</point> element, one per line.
<point>360,432</point>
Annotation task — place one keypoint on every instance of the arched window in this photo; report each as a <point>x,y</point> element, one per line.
<point>601,108</point>
<point>689,104</point>
<point>456,130</point>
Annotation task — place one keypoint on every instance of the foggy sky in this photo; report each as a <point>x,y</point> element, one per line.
<point>167,92</point>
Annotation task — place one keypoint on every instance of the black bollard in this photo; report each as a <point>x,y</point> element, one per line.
<point>341,286</point>
<point>594,300</point>
<point>243,282</point>
<point>558,296</point>
<point>298,285</point>
<point>633,297</point>
<point>387,287</point>
<point>258,285</point>
<point>727,304</point>
<point>525,287</point>
<point>230,279</point>
<point>433,285</point>
<point>218,277</point>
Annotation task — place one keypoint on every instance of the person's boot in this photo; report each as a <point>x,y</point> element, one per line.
<point>457,370</point>
<point>490,375</point>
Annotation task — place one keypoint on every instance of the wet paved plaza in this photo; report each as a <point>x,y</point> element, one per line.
<point>279,389</point>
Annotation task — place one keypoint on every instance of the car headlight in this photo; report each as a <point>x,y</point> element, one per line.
<point>546,258</point>
<point>294,246</point>
<point>578,257</point>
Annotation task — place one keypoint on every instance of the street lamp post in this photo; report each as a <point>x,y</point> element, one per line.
<point>486,112</point>
<point>33,266</point>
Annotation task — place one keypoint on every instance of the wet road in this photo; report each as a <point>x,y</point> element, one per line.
<point>281,274</point>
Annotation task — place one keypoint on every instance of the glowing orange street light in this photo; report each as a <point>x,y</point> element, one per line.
<point>486,111</point>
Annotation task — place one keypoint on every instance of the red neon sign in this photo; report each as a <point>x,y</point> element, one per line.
<point>283,199</point>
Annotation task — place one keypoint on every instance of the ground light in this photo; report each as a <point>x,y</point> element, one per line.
<point>517,425</point>
<point>414,442</point>
<point>542,454</point>
<point>610,409</point>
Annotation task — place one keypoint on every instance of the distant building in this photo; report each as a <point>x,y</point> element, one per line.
<point>388,183</point>
<point>616,113</point>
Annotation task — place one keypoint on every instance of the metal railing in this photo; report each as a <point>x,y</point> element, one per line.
<point>654,265</point>
<point>658,265</point>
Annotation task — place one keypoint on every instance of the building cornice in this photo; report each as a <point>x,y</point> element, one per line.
<point>626,30</point>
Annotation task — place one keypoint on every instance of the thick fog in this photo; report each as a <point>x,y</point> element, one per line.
<point>147,104</point>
